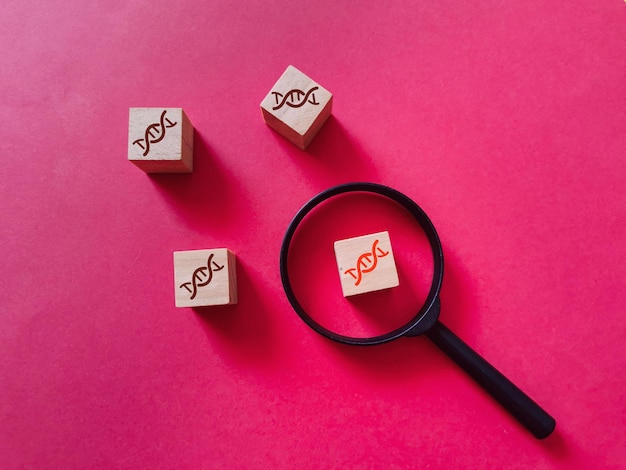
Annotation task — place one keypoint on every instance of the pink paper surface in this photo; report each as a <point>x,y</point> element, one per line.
<point>505,121</point>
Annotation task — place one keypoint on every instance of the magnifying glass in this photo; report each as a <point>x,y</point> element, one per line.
<point>309,277</point>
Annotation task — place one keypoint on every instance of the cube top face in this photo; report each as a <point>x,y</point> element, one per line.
<point>160,139</point>
<point>296,107</point>
<point>366,264</point>
<point>204,278</point>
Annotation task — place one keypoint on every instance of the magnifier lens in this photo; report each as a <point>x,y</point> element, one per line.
<point>315,276</point>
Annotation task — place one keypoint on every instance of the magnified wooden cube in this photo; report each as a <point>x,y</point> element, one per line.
<point>160,140</point>
<point>205,277</point>
<point>297,107</point>
<point>366,264</point>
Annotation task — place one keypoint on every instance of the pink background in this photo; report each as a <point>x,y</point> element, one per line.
<point>504,120</point>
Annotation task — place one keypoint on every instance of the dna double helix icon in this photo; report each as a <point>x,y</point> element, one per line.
<point>366,263</point>
<point>295,98</point>
<point>155,133</point>
<point>201,277</point>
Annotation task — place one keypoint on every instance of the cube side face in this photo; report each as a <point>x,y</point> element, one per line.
<point>296,107</point>
<point>160,140</point>
<point>366,264</point>
<point>232,278</point>
<point>204,278</point>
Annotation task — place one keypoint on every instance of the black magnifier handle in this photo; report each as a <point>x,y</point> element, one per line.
<point>516,402</point>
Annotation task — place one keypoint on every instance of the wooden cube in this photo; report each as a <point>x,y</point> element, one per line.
<point>366,264</point>
<point>160,140</point>
<point>297,107</point>
<point>205,277</point>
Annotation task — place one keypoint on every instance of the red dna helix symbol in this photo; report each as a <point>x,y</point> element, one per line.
<point>198,275</point>
<point>366,263</point>
<point>295,98</point>
<point>154,133</point>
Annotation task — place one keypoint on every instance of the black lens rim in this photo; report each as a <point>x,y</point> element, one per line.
<point>432,300</point>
